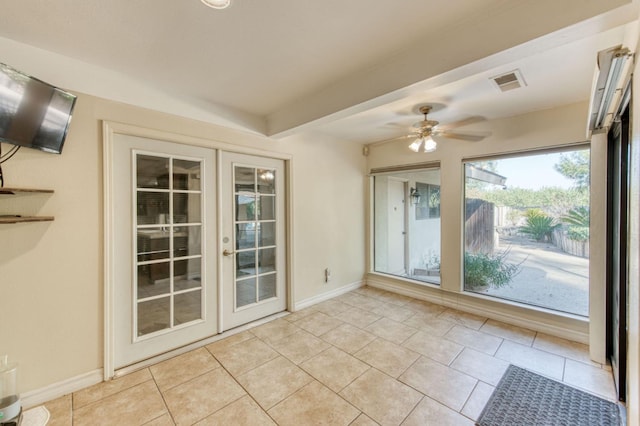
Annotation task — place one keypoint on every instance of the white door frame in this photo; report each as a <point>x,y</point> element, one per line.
<point>109,129</point>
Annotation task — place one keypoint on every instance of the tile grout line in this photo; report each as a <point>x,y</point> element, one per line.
<point>247,393</point>
<point>392,306</point>
<point>220,365</point>
<point>468,398</point>
<point>415,407</point>
<point>164,401</point>
<point>97,401</point>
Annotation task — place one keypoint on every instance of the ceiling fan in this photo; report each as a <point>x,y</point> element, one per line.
<point>426,129</point>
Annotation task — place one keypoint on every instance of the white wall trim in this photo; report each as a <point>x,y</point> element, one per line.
<point>598,251</point>
<point>328,295</point>
<point>553,324</point>
<point>108,255</point>
<point>186,139</point>
<point>58,389</point>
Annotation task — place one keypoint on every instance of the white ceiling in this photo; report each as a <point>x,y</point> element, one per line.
<point>553,77</point>
<point>355,69</point>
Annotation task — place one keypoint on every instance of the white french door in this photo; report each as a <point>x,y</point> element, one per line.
<point>164,244</point>
<point>253,238</point>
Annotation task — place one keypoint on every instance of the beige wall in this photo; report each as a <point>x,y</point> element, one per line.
<point>547,128</point>
<point>51,274</point>
<point>329,212</point>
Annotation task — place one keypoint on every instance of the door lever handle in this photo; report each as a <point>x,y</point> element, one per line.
<point>227,253</point>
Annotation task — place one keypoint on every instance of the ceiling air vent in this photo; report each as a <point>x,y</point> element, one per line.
<point>509,81</point>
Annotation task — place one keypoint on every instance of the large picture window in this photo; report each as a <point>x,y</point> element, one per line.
<point>407,224</point>
<point>526,229</point>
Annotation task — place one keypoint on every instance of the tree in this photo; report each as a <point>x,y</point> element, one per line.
<point>575,166</point>
<point>553,200</point>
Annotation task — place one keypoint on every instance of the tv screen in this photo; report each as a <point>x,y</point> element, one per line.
<point>33,113</point>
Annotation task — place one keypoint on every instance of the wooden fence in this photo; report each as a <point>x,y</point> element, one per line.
<point>479,230</point>
<point>577,248</point>
<point>482,218</point>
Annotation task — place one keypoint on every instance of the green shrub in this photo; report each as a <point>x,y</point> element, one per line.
<point>530,213</point>
<point>482,269</point>
<point>578,233</point>
<point>578,216</point>
<point>539,226</point>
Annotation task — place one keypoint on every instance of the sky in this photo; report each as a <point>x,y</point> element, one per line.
<point>533,172</point>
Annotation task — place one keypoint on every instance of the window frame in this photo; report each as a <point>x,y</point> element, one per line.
<point>393,172</point>
<point>568,148</point>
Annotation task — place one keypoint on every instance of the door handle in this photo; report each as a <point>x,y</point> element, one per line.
<point>227,253</point>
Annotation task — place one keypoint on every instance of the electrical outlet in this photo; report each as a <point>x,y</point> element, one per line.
<point>327,275</point>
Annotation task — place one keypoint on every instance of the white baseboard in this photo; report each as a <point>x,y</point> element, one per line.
<point>554,324</point>
<point>56,390</point>
<point>328,295</point>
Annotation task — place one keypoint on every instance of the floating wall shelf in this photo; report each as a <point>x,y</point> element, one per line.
<point>17,191</point>
<point>23,219</point>
<point>9,192</point>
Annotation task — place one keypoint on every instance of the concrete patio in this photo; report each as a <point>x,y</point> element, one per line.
<point>548,277</point>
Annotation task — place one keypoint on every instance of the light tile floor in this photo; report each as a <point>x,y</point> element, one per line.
<point>367,357</point>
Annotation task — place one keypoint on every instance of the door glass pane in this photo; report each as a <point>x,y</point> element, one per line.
<point>186,175</point>
<point>186,208</point>
<point>162,200</point>
<point>245,179</point>
<point>526,229</point>
<point>154,315</point>
<point>158,273</point>
<point>186,274</point>
<point>245,207</point>
<point>255,227</point>
<point>152,172</point>
<point>245,292</point>
<point>153,208</point>
<point>245,235</point>
<point>187,307</point>
<point>266,181</point>
<point>267,260</point>
<point>266,234</point>
<point>267,207</point>
<point>187,241</point>
<point>152,280</point>
<point>245,263</point>
<point>267,286</point>
<point>407,224</point>
<point>153,244</point>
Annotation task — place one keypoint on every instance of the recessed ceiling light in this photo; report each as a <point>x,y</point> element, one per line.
<point>217,4</point>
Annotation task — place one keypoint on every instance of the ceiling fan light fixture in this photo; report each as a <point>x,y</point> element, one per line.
<point>429,144</point>
<point>415,145</point>
<point>217,4</point>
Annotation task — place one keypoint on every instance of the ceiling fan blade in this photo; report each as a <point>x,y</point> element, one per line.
<point>470,137</point>
<point>461,123</point>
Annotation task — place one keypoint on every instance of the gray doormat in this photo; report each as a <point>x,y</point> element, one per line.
<point>525,398</point>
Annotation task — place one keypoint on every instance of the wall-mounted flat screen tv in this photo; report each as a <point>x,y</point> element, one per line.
<point>33,113</point>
